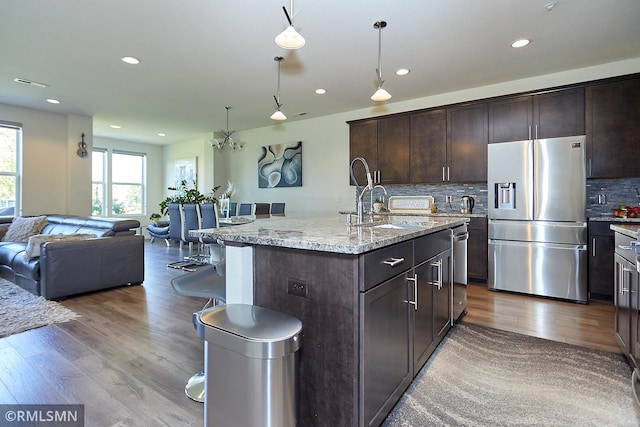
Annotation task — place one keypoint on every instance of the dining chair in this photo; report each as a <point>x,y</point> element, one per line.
<point>211,219</point>
<point>233,208</point>
<point>278,209</point>
<point>261,210</point>
<point>175,222</point>
<point>246,209</point>
<point>191,220</point>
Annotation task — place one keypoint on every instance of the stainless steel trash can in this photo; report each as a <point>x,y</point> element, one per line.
<point>251,366</point>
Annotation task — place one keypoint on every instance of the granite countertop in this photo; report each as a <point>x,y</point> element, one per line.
<point>330,232</point>
<point>630,230</point>
<point>613,219</point>
<point>438,214</point>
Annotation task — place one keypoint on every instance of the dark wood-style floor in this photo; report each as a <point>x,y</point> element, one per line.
<point>129,355</point>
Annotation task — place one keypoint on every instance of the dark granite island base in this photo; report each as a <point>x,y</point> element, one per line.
<point>353,289</point>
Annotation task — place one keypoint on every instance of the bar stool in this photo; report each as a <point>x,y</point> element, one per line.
<point>206,282</point>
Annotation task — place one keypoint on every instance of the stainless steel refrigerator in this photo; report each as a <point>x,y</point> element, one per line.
<point>537,220</point>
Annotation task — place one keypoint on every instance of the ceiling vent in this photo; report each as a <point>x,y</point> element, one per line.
<point>29,82</point>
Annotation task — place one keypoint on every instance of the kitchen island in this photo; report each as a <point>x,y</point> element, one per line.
<point>374,301</point>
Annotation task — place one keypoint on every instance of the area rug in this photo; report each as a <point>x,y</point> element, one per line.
<point>486,377</point>
<point>20,310</point>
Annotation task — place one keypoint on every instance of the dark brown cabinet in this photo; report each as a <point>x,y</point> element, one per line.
<point>467,143</point>
<point>601,250</point>
<point>449,145</point>
<point>477,250</point>
<point>428,146</point>
<point>384,144</point>
<point>547,115</point>
<point>613,129</point>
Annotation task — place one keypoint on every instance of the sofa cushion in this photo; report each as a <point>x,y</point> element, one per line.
<point>33,245</point>
<point>24,227</point>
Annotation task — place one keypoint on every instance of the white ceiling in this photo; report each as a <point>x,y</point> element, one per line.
<point>198,56</point>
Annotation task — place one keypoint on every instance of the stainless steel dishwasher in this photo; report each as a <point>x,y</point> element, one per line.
<point>459,288</point>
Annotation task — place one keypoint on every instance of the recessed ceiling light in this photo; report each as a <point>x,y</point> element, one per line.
<point>53,101</point>
<point>520,43</point>
<point>403,71</point>
<point>130,60</point>
<point>162,134</point>
<point>321,91</point>
<point>115,127</point>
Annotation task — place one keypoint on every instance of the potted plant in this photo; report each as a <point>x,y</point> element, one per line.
<point>378,206</point>
<point>187,194</point>
<point>155,217</point>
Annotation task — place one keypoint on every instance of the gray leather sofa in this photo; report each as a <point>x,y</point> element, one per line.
<point>69,267</point>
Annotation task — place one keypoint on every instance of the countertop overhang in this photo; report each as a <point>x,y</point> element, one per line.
<point>630,230</point>
<point>329,232</point>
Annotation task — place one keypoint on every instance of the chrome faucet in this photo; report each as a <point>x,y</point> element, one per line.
<point>368,187</point>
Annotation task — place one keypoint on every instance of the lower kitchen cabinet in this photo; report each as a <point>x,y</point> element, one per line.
<point>477,250</point>
<point>431,284</point>
<point>386,358</point>
<point>601,250</point>
<point>367,325</point>
<point>626,299</point>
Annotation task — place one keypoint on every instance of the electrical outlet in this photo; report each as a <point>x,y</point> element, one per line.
<point>448,199</point>
<point>297,287</point>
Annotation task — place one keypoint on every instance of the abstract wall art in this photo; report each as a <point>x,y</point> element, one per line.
<point>280,166</point>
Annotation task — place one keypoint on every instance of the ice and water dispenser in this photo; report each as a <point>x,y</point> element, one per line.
<point>505,194</point>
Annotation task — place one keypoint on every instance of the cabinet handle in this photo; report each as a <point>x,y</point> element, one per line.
<point>593,246</point>
<point>438,281</point>
<point>625,248</point>
<point>589,166</point>
<point>529,131</point>
<point>414,303</point>
<point>448,177</point>
<point>392,262</point>
<point>536,131</point>
<point>443,174</point>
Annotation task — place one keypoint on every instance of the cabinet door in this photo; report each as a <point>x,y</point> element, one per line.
<point>423,344</point>
<point>385,353</point>
<point>510,119</point>
<point>363,137</point>
<point>601,250</point>
<point>559,113</point>
<point>622,304</point>
<point>442,297</point>
<point>612,129</point>
<point>393,150</point>
<point>477,250</point>
<point>428,146</point>
<point>467,143</point>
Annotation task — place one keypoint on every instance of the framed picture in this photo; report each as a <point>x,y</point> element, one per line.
<point>185,170</point>
<point>280,166</point>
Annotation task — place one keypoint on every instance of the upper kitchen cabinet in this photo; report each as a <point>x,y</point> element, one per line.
<point>613,129</point>
<point>547,115</point>
<point>384,144</point>
<point>428,146</point>
<point>449,145</point>
<point>467,143</point>
<point>363,137</point>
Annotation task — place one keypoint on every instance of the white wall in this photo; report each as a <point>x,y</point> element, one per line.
<point>325,142</point>
<point>54,178</point>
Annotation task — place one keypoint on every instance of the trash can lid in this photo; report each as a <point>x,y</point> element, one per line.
<point>252,322</point>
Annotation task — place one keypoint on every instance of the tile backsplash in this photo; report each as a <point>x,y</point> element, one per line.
<point>616,192</point>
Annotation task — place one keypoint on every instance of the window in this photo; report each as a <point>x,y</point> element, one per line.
<point>10,145</point>
<point>123,188</point>
<point>99,179</point>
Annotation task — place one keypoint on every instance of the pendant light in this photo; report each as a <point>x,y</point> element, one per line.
<point>380,94</point>
<point>289,38</point>
<point>222,137</point>
<point>278,115</point>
